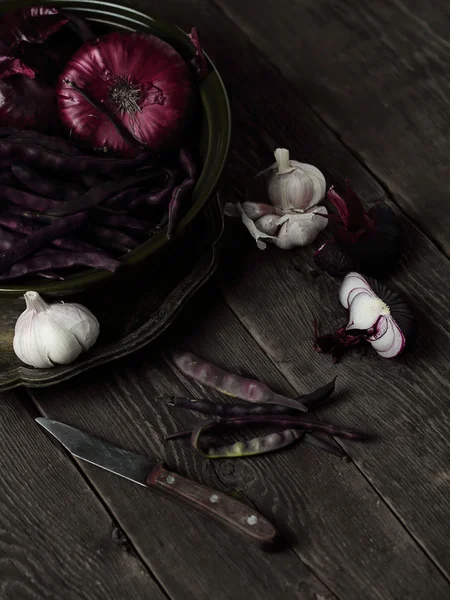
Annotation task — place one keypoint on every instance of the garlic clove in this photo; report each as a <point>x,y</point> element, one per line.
<point>85,330</point>
<point>255,210</point>
<point>259,236</point>
<point>365,310</point>
<point>59,346</point>
<point>352,281</point>
<point>300,229</point>
<point>269,224</point>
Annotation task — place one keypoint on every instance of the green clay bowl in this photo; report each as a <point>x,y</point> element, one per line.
<point>214,141</point>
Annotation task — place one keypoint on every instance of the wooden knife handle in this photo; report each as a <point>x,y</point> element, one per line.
<point>213,503</point>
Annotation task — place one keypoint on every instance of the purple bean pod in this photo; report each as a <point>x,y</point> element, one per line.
<point>181,191</point>
<point>53,143</point>
<point>31,154</point>
<point>42,186</point>
<point>39,239</point>
<point>108,235</point>
<point>126,222</point>
<point>98,194</point>
<point>27,200</point>
<point>284,421</point>
<point>32,216</point>
<point>253,447</point>
<point>156,198</point>
<point>232,384</point>
<point>49,261</point>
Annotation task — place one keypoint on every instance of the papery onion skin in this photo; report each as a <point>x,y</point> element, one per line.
<point>28,103</point>
<point>34,46</point>
<point>138,78</point>
<point>370,242</point>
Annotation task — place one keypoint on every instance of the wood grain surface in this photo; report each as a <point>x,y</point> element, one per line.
<point>57,540</point>
<point>189,554</point>
<point>368,102</point>
<point>335,524</point>
<point>376,72</point>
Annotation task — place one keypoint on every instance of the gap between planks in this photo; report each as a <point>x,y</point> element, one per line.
<point>354,461</point>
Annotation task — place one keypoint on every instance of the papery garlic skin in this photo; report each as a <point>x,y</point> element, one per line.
<point>294,185</point>
<point>53,334</point>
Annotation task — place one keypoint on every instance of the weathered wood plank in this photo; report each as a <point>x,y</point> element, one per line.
<point>376,72</point>
<point>335,521</point>
<point>268,112</point>
<point>403,401</point>
<point>56,538</point>
<point>192,557</point>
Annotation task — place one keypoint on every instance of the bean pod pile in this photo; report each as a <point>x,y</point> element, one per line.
<point>63,209</point>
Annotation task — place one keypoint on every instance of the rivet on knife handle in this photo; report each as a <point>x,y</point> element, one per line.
<point>216,504</point>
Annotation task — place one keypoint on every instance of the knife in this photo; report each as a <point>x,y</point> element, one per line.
<point>153,474</point>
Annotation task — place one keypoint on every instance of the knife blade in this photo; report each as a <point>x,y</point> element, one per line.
<point>153,474</point>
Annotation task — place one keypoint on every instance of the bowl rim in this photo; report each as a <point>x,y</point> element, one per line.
<point>84,280</point>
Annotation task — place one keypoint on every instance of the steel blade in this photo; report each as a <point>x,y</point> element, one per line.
<point>130,465</point>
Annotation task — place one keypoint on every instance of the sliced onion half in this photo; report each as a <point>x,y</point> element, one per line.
<point>394,341</point>
<point>352,281</point>
<point>365,310</point>
<point>380,328</point>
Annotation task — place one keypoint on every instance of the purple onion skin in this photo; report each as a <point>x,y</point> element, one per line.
<point>156,118</point>
<point>375,253</point>
<point>31,104</point>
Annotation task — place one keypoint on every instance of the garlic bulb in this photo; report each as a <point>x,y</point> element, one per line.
<point>53,334</point>
<point>294,185</point>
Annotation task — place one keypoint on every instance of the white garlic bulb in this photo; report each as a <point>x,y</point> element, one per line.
<point>294,185</point>
<point>53,334</point>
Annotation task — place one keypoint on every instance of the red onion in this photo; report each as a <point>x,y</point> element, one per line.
<point>125,92</point>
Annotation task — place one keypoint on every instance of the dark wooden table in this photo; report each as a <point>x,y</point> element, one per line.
<point>360,89</point>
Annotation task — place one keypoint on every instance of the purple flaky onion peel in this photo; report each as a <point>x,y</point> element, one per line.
<point>377,315</point>
<point>370,241</point>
